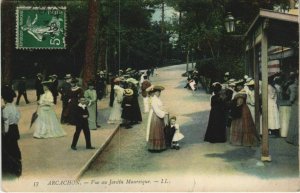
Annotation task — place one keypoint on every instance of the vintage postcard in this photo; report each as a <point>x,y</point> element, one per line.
<point>150,96</point>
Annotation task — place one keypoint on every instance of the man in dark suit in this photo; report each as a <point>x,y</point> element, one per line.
<point>100,85</point>
<point>54,88</point>
<point>82,115</point>
<point>39,86</point>
<point>64,90</point>
<point>22,90</point>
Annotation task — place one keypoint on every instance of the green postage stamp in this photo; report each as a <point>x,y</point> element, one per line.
<point>41,27</point>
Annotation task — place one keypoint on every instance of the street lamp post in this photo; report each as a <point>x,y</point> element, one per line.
<point>229,23</point>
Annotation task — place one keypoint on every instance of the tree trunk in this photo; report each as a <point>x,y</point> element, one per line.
<point>7,15</point>
<point>102,54</point>
<point>90,63</point>
<point>162,39</point>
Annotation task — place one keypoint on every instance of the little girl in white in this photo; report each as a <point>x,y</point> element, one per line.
<point>177,135</point>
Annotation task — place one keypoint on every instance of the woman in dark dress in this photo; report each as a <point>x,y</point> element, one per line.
<point>216,128</point>
<point>136,110</point>
<point>10,116</point>
<point>127,106</point>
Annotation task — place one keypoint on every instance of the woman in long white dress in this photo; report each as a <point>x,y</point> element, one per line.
<point>47,125</point>
<point>273,112</point>
<point>116,111</point>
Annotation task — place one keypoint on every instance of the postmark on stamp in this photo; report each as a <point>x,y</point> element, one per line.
<point>40,27</point>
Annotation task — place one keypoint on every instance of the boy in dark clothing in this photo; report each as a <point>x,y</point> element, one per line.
<point>82,115</point>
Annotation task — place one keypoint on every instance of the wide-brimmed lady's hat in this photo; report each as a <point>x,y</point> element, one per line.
<point>68,76</point>
<point>128,92</point>
<point>231,80</point>
<point>250,83</point>
<point>132,80</point>
<point>47,83</point>
<point>239,82</point>
<point>117,80</point>
<point>158,88</point>
<point>215,83</point>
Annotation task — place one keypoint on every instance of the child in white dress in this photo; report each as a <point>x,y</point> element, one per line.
<point>177,135</point>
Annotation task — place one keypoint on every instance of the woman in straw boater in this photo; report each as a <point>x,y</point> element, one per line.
<point>47,125</point>
<point>155,127</point>
<point>116,111</point>
<point>136,110</point>
<point>127,104</point>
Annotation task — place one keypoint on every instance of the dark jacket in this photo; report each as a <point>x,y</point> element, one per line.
<point>80,121</point>
<point>64,90</point>
<point>54,89</point>
<point>22,86</point>
<point>38,86</point>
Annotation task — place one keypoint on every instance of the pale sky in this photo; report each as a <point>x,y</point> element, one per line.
<point>169,13</point>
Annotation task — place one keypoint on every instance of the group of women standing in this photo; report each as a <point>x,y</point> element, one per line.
<point>125,109</point>
<point>242,129</point>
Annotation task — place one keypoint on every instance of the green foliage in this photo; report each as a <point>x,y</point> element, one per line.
<point>214,69</point>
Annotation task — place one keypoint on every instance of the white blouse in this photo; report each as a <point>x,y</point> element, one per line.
<point>157,107</point>
<point>46,98</point>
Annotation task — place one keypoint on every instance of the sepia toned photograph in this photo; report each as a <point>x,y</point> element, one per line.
<point>150,96</point>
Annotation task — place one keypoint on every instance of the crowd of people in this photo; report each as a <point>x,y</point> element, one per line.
<point>232,115</point>
<point>162,131</point>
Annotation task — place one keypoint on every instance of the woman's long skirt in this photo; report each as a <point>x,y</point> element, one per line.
<point>92,116</point>
<point>293,132</point>
<point>11,154</point>
<point>156,139</point>
<point>47,125</point>
<point>243,131</point>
